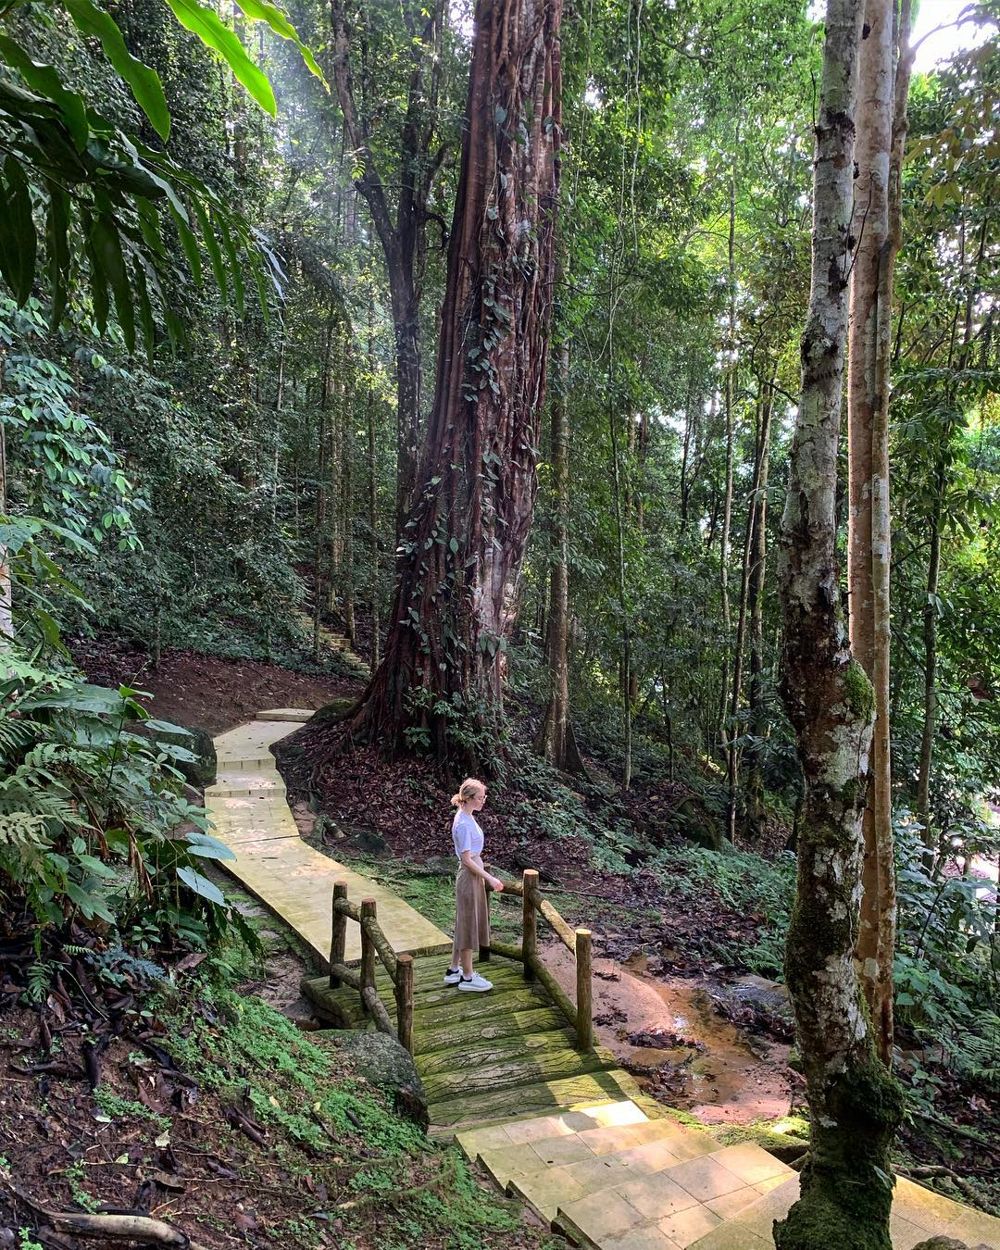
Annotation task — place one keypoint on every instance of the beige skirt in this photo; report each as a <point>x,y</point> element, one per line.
<point>472,913</point>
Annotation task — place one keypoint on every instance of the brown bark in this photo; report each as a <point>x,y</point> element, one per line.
<point>868,535</point>
<point>855,1105</point>
<point>758,720</point>
<point>402,237</point>
<point>462,547</point>
<point>556,738</point>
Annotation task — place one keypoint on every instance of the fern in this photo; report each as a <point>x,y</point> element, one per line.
<point>22,829</point>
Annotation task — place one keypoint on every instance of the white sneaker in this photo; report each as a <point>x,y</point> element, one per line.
<point>475,984</point>
<point>453,976</point>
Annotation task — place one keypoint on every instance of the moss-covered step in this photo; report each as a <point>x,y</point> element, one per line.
<point>474,1054</point>
<point>450,1034</point>
<point>475,1108</point>
<point>554,1064</point>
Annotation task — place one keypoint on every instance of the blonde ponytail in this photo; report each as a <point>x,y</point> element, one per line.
<point>467,790</point>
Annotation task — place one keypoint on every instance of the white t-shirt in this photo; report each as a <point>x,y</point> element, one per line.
<point>466,834</point>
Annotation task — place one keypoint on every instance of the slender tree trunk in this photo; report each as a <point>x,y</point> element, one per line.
<point>867,431</point>
<point>373,496</point>
<point>855,1105</point>
<point>6,585</point>
<point>556,739</point>
<point>930,679</point>
<point>347,492</point>
<point>402,238</point>
<point>463,544</point>
<point>758,720</point>
<point>725,732</point>
<point>322,489</point>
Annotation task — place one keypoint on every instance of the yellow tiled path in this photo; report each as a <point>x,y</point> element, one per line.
<point>610,1178</point>
<point>247,805</point>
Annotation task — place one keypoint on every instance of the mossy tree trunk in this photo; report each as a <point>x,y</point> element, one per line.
<point>439,682</point>
<point>855,1105</point>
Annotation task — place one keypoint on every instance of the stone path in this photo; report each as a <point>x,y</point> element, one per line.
<point>609,1177</point>
<point>247,805</point>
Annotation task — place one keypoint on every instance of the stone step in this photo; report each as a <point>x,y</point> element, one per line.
<point>669,1208</point>
<point>246,782</point>
<point>299,714</point>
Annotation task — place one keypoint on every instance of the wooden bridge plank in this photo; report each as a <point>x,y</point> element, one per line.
<point>474,1055</point>
<point>475,1106</point>
<point>449,1033</point>
<point>506,1074</point>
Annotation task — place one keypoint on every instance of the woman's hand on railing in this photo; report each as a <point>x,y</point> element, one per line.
<point>495,884</point>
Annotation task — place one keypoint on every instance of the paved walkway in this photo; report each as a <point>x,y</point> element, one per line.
<point>247,805</point>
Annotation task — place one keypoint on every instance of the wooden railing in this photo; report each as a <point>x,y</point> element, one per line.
<point>374,944</point>
<point>577,941</point>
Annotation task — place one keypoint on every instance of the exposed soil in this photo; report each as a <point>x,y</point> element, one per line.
<point>668,1033</point>
<point>204,691</point>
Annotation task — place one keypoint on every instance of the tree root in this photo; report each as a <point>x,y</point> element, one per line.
<point>142,1228</point>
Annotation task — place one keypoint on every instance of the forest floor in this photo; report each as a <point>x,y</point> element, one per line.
<point>205,691</point>
<point>211,1110</point>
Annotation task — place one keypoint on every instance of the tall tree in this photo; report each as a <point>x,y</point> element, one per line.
<point>400,221</point>
<point>462,547</point>
<point>855,1104</point>
<point>556,738</point>
<point>868,520</point>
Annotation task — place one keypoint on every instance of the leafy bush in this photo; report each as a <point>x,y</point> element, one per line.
<point>93,818</point>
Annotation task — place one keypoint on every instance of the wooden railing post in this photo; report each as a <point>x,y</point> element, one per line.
<point>338,940</point>
<point>368,909</point>
<point>584,991</point>
<point>404,1001</point>
<point>529,922</point>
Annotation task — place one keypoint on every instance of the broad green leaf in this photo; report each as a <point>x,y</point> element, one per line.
<point>57,243</point>
<point>190,246</point>
<point>98,278</point>
<point>234,264</point>
<point>201,885</point>
<point>212,246</point>
<point>260,11</point>
<point>45,80</point>
<point>146,321</point>
<point>18,242</point>
<point>213,32</point>
<point>145,82</point>
<point>108,246</point>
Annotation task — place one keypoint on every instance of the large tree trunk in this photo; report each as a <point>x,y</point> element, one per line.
<point>868,524</point>
<point>440,680</point>
<point>855,1106</point>
<point>556,738</point>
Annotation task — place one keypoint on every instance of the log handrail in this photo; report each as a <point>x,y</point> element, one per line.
<point>580,1015</point>
<point>374,946</point>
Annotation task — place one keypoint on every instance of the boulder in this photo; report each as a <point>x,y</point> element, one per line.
<point>200,771</point>
<point>384,1063</point>
<point>947,1243</point>
<point>334,711</point>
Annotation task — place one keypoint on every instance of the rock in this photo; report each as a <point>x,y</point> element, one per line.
<point>947,1243</point>
<point>198,772</point>
<point>384,1063</point>
<point>365,839</point>
<point>334,711</point>
<point>756,1003</point>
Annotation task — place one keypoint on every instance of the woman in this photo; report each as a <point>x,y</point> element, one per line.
<point>472,917</point>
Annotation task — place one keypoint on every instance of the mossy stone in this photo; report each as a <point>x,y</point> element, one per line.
<point>385,1064</point>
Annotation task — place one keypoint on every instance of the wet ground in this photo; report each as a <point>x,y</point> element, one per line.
<point>667,1032</point>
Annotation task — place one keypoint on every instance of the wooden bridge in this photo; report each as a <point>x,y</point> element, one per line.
<point>514,1075</point>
